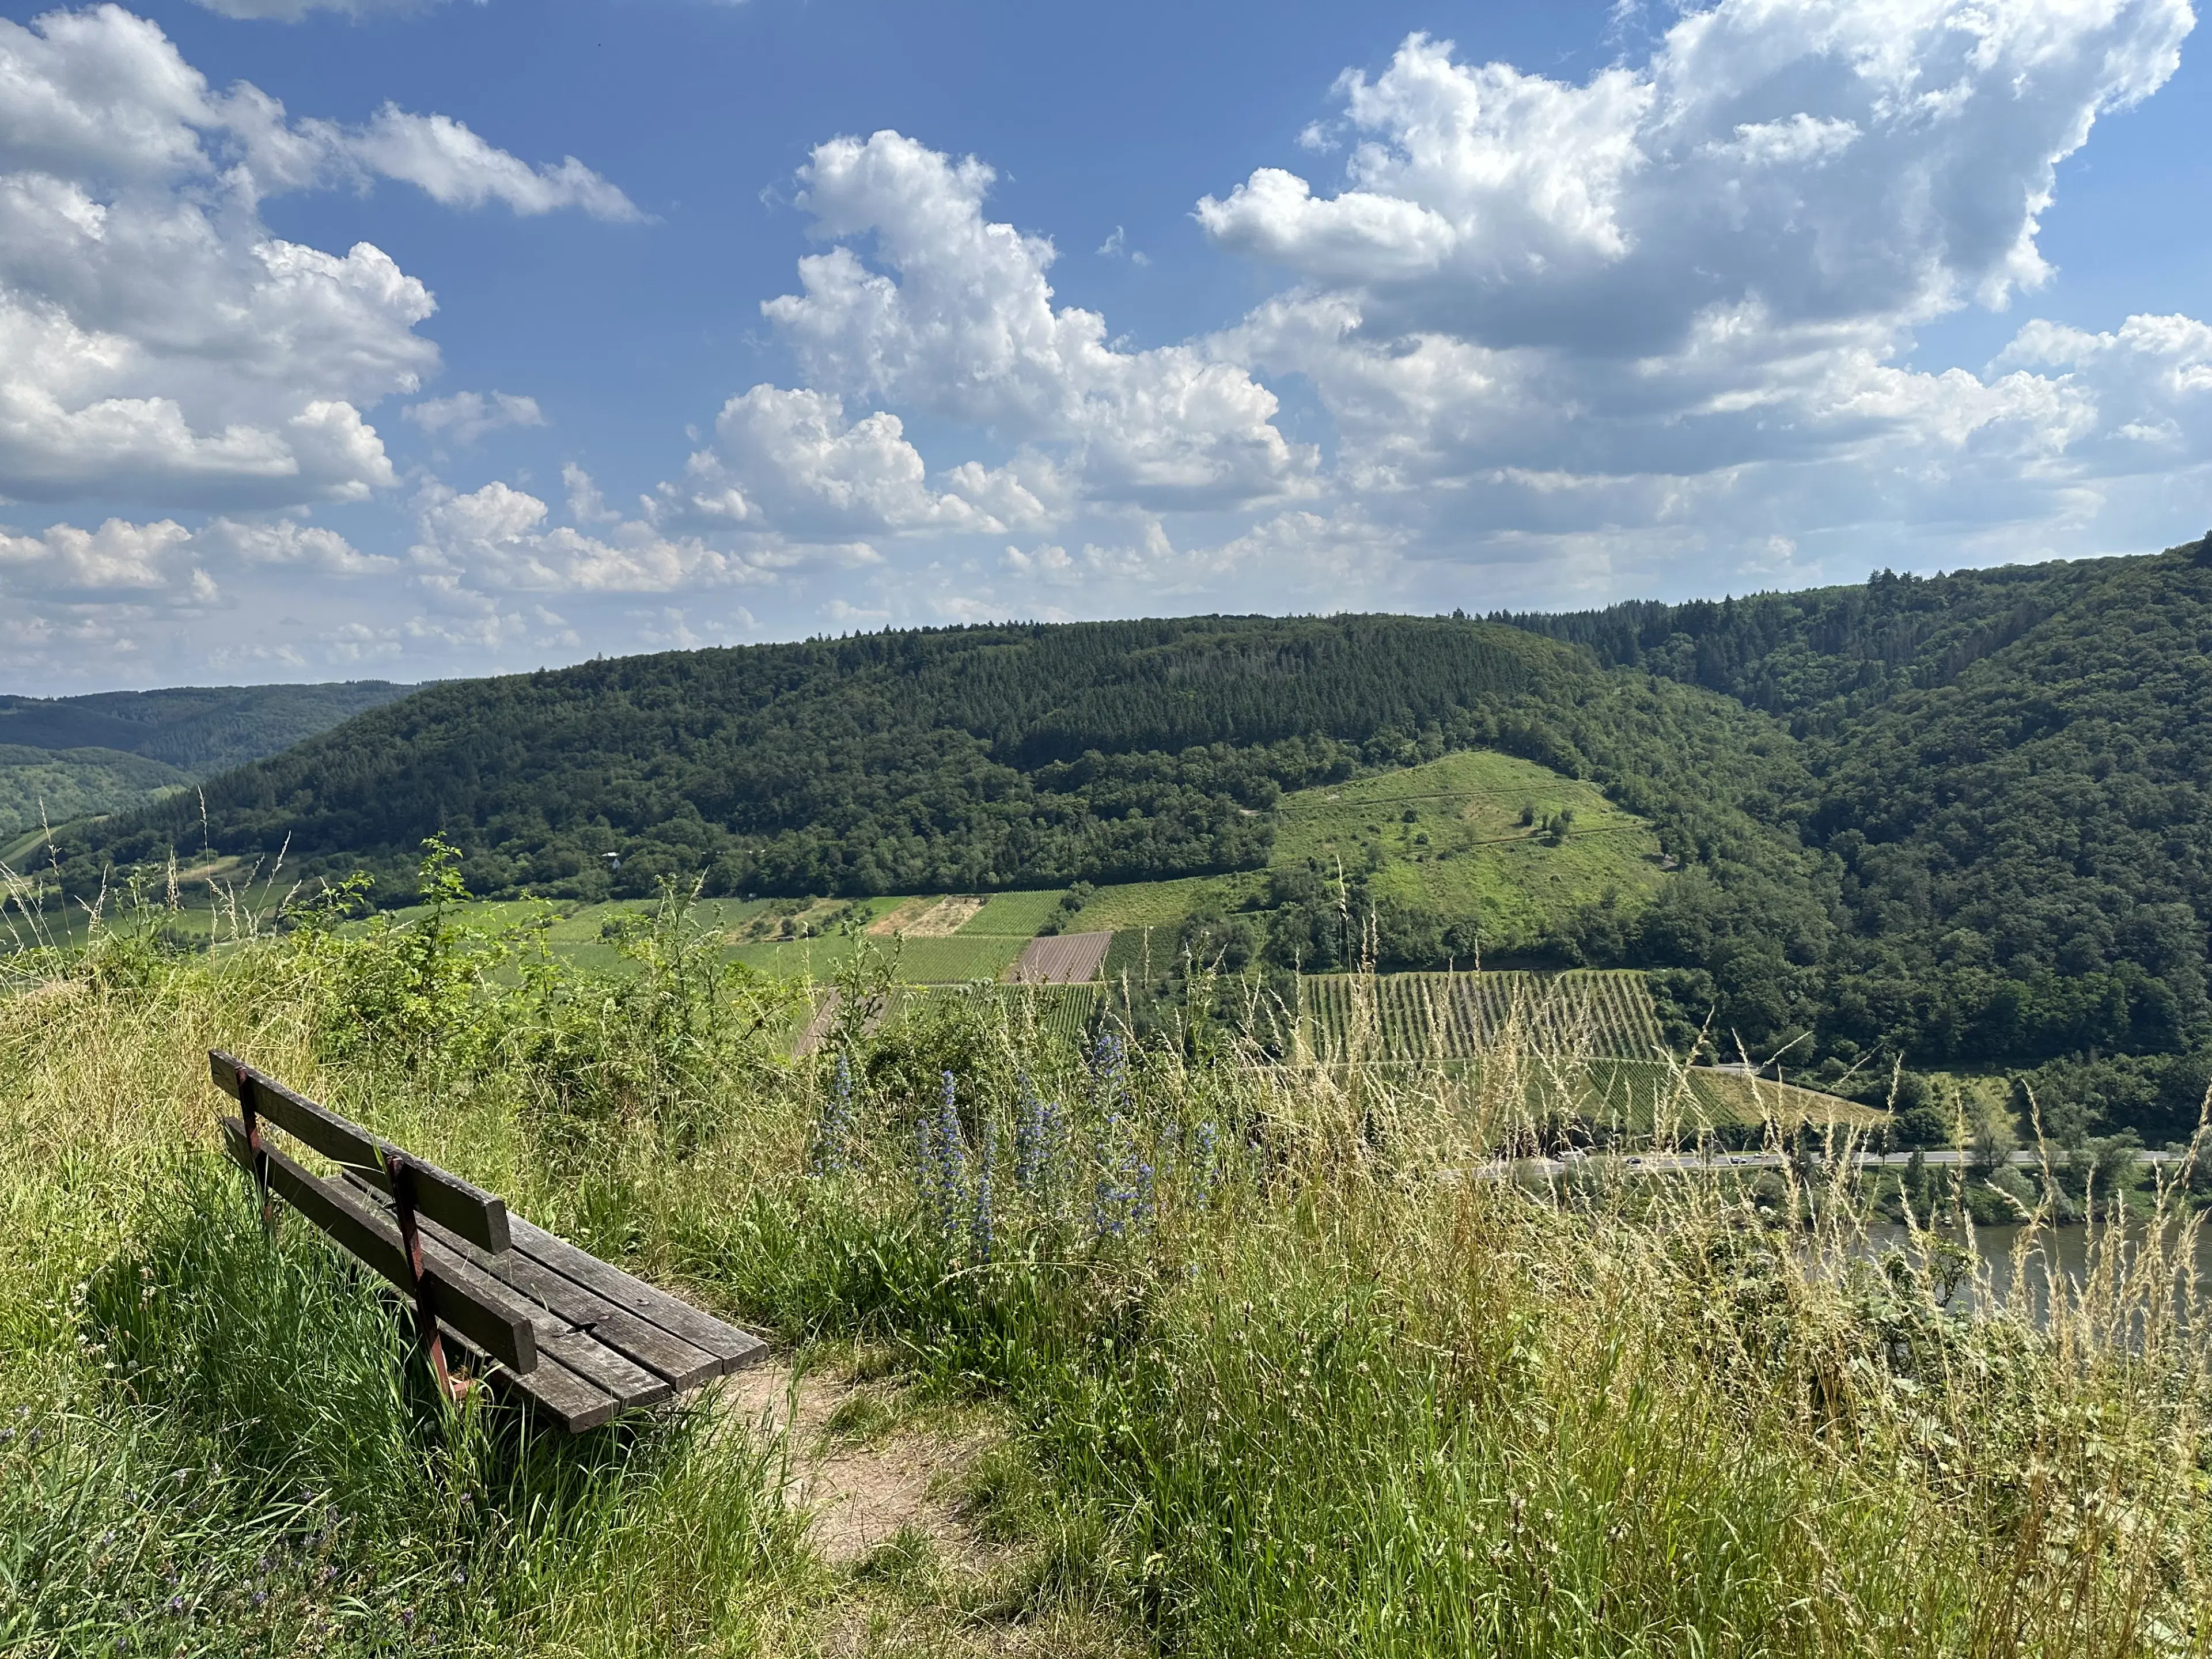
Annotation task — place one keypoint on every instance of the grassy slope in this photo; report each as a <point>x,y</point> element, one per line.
<point>1478,859</point>
<point>1465,851</point>
<point>1016,915</point>
<point>1285,1400</point>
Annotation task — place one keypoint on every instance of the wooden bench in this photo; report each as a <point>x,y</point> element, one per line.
<point>530,1312</point>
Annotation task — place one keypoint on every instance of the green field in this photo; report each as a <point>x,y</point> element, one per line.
<point>1016,915</point>
<point>1631,1092</point>
<point>1059,1011</point>
<point>1449,836</point>
<point>1446,836</point>
<point>1160,903</point>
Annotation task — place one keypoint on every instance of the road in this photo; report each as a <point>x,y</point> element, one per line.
<point>1666,1163</point>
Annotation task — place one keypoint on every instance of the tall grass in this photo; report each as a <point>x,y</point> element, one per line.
<point>1292,1362</point>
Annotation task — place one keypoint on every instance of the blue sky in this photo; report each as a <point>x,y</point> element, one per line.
<point>410,340</point>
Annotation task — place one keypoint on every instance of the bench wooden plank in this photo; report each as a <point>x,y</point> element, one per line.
<point>463,1297</point>
<point>607,1368</point>
<point>559,1337</point>
<point>575,1402</point>
<point>475,1214</point>
<point>683,1364</point>
<point>733,1346</point>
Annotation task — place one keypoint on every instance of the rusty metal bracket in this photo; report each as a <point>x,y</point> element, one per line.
<point>253,1120</point>
<point>401,1168</point>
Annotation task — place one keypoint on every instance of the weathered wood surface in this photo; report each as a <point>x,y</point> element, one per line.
<point>538,1316</point>
<point>680,1364</point>
<point>474,1214</point>
<point>492,1318</point>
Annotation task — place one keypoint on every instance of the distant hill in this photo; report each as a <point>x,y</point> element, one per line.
<point>2015,802</point>
<point>68,757</point>
<point>57,784</point>
<point>202,730</point>
<point>1963,821</point>
<point>960,759</point>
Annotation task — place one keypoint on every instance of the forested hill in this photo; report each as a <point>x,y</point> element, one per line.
<point>1960,819</point>
<point>2013,804</point>
<point>961,759</point>
<point>1821,658</point>
<point>202,730</point>
<point>71,757</point>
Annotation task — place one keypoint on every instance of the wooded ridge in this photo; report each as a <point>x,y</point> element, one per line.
<point>1961,818</point>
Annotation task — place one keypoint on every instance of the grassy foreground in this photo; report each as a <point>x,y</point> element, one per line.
<point>1279,1365</point>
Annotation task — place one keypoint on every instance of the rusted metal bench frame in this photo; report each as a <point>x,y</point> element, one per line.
<point>530,1311</point>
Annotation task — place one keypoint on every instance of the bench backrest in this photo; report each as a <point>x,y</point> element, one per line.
<point>475,1214</point>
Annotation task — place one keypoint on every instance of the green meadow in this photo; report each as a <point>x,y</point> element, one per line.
<point>1122,1346</point>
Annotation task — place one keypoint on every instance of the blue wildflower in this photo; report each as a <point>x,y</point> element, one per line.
<point>832,1152</point>
<point>980,1236</point>
<point>941,1165</point>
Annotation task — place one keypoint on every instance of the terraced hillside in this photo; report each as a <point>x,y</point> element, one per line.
<point>1414,1017</point>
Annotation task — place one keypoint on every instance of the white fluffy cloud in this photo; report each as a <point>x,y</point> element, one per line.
<point>467,416</point>
<point>498,540</point>
<point>161,561</point>
<point>291,11</point>
<point>453,166</point>
<point>961,324</point>
<point>1685,293</point>
<point>791,460</point>
<point>1828,162</point>
<point>157,341</point>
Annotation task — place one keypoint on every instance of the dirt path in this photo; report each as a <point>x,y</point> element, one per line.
<point>864,1477</point>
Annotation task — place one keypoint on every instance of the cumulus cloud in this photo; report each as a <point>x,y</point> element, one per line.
<point>467,416</point>
<point>164,562</point>
<point>292,11</point>
<point>473,546</point>
<point>792,460</point>
<point>498,538</point>
<point>1828,162</point>
<point>118,557</point>
<point>160,341</point>
<point>960,323</point>
<point>1536,309</point>
<point>453,166</point>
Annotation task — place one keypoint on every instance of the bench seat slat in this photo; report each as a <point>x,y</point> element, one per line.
<point>580,1351</point>
<point>466,1298</point>
<point>732,1346</point>
<point>477,1215</point>
<point>683,1364</point>
<point>574,1401</point>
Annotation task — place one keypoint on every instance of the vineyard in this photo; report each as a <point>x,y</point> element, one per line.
<point>1419,1016</point>
<point>1062,1013</point>
<point>1635,1095</point>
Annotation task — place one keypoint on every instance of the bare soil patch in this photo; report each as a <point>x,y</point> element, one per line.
<point>862,1488</point>
<point>928,919</point>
